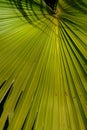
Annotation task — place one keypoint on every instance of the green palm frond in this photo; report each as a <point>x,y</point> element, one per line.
<point>43,65</point>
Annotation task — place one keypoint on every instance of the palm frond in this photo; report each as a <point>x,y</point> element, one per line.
<point>43,65</point>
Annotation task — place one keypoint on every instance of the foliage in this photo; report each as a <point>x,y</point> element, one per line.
<point>43,65</point>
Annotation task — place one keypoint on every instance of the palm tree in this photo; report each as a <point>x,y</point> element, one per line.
<point>43,65</point>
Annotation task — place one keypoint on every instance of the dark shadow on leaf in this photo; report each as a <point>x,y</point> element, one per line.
<point>29,9</point>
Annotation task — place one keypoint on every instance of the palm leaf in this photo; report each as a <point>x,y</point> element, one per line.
<point>43,65</point>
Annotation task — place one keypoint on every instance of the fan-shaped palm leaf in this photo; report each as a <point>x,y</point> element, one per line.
<point>43,65</point>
